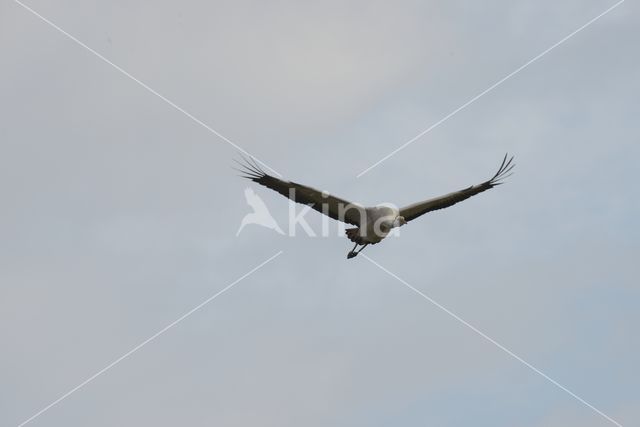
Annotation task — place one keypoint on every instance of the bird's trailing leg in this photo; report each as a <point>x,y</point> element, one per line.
<point>366,244</point>
<point>353,252</point>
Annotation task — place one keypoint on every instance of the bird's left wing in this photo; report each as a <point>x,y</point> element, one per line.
<point>417,209</point>
<point>334,207</point>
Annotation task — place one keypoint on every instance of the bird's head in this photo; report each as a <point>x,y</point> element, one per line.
<point>399,221</point>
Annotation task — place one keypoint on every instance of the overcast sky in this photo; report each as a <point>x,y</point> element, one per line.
<point>119,213</point>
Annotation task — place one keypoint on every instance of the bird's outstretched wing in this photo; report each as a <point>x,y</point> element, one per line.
<point>417,209</point>
<point>334,207</point>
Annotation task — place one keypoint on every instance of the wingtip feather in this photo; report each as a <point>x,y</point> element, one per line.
<point>248,168</point>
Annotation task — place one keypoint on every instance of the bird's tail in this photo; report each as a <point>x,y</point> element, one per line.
<point>354,235</point>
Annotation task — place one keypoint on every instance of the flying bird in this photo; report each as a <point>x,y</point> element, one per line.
<point>372,224</point>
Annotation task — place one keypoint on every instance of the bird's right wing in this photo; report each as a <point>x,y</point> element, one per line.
<point>417,209</point>
<point>334,207</point>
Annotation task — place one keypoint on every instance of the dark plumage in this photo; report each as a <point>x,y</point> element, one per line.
<point>372,223</point>
<point>415,210</point>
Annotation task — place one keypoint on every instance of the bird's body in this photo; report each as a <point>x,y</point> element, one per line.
<point>377,225</point>
<point>372,224</point>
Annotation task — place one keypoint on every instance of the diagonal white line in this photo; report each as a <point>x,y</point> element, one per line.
<point>492,341</point>
<point>487,90</point>
<point>147,87</point>
<point>147,341</point>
